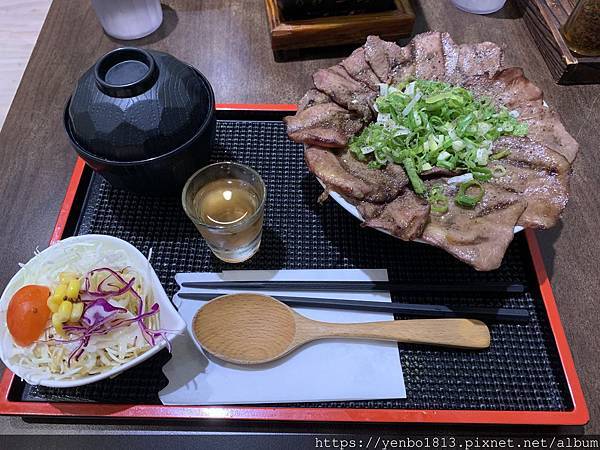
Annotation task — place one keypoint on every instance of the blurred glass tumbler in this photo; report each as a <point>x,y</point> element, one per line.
<point>128,19</point>
<point>479,6</point>
<point>226,203</point>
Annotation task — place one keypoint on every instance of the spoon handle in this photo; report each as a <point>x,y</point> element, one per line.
<point>459,333</point>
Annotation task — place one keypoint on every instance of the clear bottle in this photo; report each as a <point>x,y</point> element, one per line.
<point>582,29</point>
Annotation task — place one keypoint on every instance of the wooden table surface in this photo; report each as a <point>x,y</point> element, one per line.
<point>228,41</point>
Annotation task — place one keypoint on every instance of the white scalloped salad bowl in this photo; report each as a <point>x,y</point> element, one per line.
<point>169,317</point>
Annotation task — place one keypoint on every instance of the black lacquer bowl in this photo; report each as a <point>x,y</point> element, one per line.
<point>142,119</point>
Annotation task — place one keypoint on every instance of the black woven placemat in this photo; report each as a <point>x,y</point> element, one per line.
<point>521,370</point>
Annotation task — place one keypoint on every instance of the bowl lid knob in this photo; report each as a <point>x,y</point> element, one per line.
<point>126,72</point>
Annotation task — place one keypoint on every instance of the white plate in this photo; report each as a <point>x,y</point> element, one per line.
<point>169,317</point>
<point>354,211</point>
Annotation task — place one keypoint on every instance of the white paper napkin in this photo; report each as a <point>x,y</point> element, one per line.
<point>326,370</point>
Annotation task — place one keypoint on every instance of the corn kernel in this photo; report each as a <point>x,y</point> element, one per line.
<point>65,277</point>
<point>57,323</point>
<point>64,310</point>
<point>73,288</point>
<point>76,312</point>
<point>61,291</point>
<point>53,303</point>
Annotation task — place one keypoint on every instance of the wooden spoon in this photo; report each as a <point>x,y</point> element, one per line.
<point>251,329</point>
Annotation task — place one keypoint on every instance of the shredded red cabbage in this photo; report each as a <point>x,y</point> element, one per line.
<point>100,317</point>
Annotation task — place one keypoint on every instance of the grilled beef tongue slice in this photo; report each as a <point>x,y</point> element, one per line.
<point>390,180</point>
<point>451,54</point>
<point>357,67</point>
<point>539,175</point>
<point>484,58</point>
<point>345,91</point>
<point>343,173</point>
<point>324,125</point>
<point>404,217</point>
<point>509,88</point>
<point>311,98</point>
<point>390,62</point>
<point>429,56</point>
<point>515,88</point>
<point>467,60</point>
<point>326,166</point>
<point>402,62</point>
<point>546,128</point>
<point>370,210</point>
<point>478,236</point>
<point>376,56</point>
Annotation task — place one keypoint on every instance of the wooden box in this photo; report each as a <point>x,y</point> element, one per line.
<point>338,30</point>
<point>544,19</point>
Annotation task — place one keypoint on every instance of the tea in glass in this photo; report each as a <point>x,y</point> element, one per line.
<point>226,203</point>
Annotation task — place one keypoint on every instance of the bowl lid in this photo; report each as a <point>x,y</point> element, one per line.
<point>136,104</point>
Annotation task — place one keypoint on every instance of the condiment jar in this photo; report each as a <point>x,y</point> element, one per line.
<point>582,29</point>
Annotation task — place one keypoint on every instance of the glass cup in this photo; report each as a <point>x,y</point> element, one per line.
<point>479,6</point>
<point>206,198</point>
<point>128,19</point>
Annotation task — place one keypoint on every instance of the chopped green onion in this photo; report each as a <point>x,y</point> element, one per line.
<point>445,164</point>
<point>481,173</point>
<point>414,178</point>
<point>482,156</point>
<point>483,128</point>
<point>442,96</point>
<point>424,124</point>
<point>520,129</point>
<point>460,178</point>
<point>439,206</point>
<point>437,200</point>
<point>498,171</point>
<point>443,156</point>
<point>469,201</point>
<point>501,154</point>
<point>457,145</point>
<point>411,104</point>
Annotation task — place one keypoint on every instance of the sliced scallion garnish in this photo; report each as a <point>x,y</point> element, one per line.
<point>481,173</point>
<point>437,199</point>
<point>466,200</point>
<point>501,154</point>
<point>425,124</point>
<point>498,171</point>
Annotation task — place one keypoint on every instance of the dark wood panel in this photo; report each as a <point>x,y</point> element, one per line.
<point>229,42</point>
<point>544,19</point>
<point>338,30</point>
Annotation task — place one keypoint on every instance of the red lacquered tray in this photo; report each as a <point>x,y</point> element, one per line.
<point>578,415</point>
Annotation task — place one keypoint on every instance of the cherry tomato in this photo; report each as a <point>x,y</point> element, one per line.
<point>28,314</point>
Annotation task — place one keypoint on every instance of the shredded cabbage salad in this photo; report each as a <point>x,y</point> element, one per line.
<point>119,319</point>
<point>422,124</point>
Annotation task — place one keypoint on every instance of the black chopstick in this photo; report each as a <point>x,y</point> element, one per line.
<point>362,286</point>
<point>496,314</point>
